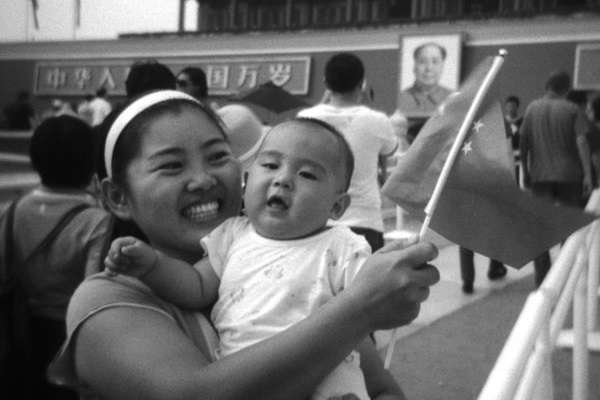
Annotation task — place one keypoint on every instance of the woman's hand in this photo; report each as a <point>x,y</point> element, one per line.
<point>394,282</point>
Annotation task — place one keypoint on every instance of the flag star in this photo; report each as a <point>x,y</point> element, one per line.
<point>477,125</point>
<point>467,148</point>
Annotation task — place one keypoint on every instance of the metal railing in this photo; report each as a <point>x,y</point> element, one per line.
<point>523,369</point>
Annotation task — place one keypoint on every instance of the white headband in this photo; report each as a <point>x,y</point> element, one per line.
<point>130,112</point>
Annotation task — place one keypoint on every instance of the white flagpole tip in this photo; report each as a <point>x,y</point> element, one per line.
<point>502,52</point>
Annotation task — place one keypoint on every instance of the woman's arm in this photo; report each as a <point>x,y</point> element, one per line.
<point>129,353</point>
<point>380,382</point>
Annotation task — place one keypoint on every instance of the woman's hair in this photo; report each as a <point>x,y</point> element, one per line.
<point>62,152</point>
<point>128,142</point>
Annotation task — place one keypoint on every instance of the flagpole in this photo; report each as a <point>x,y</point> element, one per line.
<point>443,178</point>
<point>460,138</point>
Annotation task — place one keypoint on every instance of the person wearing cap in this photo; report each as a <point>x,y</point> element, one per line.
<point>371,136</point>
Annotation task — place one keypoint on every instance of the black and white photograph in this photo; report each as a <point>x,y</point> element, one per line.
<point>299,200</point>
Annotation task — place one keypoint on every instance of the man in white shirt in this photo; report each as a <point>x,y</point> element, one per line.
<point>370,135</point>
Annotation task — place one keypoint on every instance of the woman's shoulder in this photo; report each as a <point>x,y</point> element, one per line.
<point>95,294</point>
<point>104,290</point>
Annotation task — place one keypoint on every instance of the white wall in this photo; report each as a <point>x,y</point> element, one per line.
<point>99,19</point>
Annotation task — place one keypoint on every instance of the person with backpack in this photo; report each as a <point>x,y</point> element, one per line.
<point>52,238</point>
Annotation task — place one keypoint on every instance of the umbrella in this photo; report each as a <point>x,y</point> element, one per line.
<point>271,102</point>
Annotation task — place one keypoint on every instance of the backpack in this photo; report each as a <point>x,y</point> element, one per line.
<point>15,337</point>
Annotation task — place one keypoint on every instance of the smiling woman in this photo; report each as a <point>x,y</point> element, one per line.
<point>172,173</point>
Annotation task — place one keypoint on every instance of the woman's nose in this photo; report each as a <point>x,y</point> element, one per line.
<point>201,181</point>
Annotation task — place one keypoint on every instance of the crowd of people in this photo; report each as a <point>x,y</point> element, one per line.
<point>185,244</point>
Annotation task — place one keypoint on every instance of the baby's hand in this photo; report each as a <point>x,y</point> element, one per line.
<point>130,256</point>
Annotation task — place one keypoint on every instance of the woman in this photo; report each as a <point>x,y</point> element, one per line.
<point>171,172</point>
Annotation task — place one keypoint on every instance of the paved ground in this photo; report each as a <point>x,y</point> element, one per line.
<point>447,296</point>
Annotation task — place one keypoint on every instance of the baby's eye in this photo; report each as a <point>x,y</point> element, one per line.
<point>308,175</point>
<point>268,165</point>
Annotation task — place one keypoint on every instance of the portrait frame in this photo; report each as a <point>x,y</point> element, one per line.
<point>450,75</point>
<point>587,76</point>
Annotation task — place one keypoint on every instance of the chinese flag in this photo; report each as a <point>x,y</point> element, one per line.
<point>481,207</point>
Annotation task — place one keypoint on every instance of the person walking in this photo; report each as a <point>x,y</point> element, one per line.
<point>555,155</point>
<point>370,134</point>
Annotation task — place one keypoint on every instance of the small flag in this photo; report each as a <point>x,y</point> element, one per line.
<point>481,207</point>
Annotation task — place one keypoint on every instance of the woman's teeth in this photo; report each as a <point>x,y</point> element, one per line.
<point>202,212</point>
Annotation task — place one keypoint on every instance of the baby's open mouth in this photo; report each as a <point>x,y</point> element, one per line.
<point>200,212</point>
<point>277,202</point>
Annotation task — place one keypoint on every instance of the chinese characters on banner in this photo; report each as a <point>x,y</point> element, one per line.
<point>225,76</point>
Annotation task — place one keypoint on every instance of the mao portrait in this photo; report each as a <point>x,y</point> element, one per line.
<point>429,73</point>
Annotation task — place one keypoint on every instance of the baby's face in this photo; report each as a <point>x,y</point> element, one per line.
<point>296,181</point>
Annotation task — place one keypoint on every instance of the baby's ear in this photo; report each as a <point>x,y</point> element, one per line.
<point>115,199</point>
<point>339,207</point>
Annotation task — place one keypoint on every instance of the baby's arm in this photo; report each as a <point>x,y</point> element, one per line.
<point>172,279</point>
<point>380,382</point>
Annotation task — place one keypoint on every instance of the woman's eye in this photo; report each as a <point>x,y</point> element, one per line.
<point>172,165</point>
<point>220,156</point>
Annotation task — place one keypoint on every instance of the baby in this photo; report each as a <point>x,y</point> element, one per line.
<point>272,268</point>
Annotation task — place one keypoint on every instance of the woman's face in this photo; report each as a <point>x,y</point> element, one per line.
<point>183,182</point>
<point>185,85</point>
